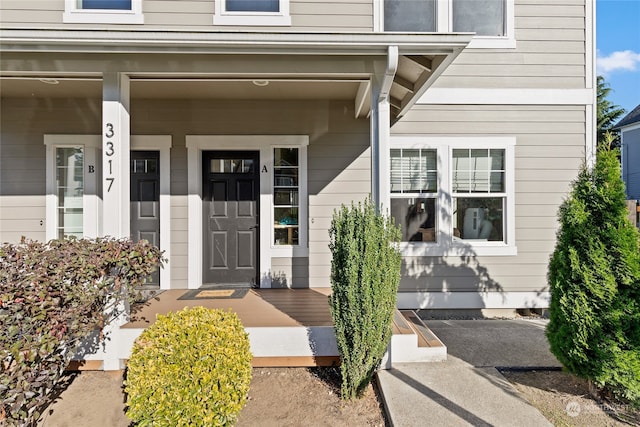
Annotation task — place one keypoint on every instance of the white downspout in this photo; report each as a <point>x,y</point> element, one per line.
<point>381,131</point>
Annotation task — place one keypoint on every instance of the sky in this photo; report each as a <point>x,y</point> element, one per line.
<point>618,50</point>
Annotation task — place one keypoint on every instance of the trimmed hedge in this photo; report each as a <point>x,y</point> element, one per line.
<point>365,273</point>
<point>52,296</point>
<point>190,368</point>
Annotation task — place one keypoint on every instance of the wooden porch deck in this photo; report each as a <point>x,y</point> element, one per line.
<point>255,307</point>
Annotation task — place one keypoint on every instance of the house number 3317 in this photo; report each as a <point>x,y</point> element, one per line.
<point>110,151</point>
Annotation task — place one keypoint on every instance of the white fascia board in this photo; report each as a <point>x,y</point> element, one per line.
<point>515,96</point>
<point>126,41</point>
<point>629,127</point>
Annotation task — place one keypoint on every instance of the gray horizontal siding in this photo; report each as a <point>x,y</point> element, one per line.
<point>197,15</point>
<point>548,155</point>
<point>550,51</point>
<point>549,151</point>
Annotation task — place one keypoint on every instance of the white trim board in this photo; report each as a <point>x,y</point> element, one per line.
<point>507,96</point>
<point>472,300</point>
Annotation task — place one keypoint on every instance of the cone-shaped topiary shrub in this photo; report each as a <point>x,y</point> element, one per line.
<point>365,273</point>
<point>594,274</point>
<point>190,368</point>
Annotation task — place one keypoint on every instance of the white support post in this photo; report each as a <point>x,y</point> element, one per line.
<point>116,143</point>
<point>381,130</point>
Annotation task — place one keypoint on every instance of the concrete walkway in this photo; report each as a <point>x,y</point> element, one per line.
<point>467,389</point>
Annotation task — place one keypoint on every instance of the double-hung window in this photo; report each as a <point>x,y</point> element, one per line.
<point>479,194</point>
<point>252,13</point>
<point>103,12</point>
<point>453,195</point>
<point>414,190</point>
<point>492,21</point>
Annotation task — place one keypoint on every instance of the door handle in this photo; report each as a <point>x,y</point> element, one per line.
<point>253,227</point>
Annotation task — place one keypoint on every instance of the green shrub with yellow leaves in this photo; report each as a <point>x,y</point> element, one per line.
<point>190,368</point>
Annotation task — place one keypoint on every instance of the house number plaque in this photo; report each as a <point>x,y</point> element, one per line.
<point>110,151</point>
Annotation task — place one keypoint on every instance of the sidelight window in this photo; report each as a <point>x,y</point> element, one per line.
<point>69,191</point>
<point>286,200</point>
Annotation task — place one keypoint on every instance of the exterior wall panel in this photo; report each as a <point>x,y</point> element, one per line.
<point>194,15</point>
<point>548,154</point>
<point>550,51</point>
<point>338,161</point>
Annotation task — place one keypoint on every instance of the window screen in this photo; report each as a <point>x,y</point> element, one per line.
<point>483,17</point>
<point>410,15</point>
<point>252,5</point>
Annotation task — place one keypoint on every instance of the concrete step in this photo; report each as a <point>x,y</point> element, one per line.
<point>412,341</point>
<point>426,338</point>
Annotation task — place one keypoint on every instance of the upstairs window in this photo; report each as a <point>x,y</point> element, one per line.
<point>264,6</point>
<point>103,12</point>
<point>492,21</point>
<point>483,17</point>
<point>252,13</point>
<point>105,4</point>
<point>403,15</point>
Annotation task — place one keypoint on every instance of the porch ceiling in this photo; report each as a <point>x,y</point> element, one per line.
<point>51,87</point>
<point>224,65</point>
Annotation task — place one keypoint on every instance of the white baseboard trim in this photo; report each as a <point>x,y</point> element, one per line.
<point>472,300</point>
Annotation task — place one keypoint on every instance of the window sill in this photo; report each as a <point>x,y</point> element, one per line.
<point>480,42</point>
<point>243,20</point>
<point>93,17</point>
<point>418,249</point>
<point>286,251</point>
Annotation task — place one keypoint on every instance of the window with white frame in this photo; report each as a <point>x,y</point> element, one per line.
<point>286,196</point>
<point>103,11</point>
<point>69,189</point>
<point>478,193</point>
<point>252,12</point>
<point>414,186</point>
<point>452,194</point>
<point>491,20</point>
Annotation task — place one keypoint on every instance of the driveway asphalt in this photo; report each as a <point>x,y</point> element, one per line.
<point>467,389</point>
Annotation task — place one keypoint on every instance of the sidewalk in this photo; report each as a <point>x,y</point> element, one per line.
<point>467,389</point>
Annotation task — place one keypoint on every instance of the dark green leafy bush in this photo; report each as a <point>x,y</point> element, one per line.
<point>190,368</point>
<point>365,273</point>
<point>52,296</point>
<point>594,274</point>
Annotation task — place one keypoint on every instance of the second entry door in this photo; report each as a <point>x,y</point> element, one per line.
<point>230,212</point>
<point>145,201</point>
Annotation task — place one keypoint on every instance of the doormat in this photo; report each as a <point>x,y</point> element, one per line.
<point>197,294</point>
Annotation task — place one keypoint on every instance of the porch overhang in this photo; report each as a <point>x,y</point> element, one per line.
<point>58,53</point>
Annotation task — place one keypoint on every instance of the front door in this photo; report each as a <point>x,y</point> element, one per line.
<point>145,201</point>
<point>230,203</point>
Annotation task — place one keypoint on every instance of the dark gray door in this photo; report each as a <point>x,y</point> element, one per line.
<point>145,200</point>
<point>230,203</point>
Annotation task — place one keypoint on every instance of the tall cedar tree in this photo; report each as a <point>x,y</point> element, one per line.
<point>365,273</point>
<point>607,112</point>
<point>594,274</point>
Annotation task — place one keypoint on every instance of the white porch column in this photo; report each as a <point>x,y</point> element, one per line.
<point>115,155</point>
<point>381,130</point>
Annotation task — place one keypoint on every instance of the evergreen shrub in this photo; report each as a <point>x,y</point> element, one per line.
<point>190,368</point>
<point>594,275</point>
<point>365,273</point>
